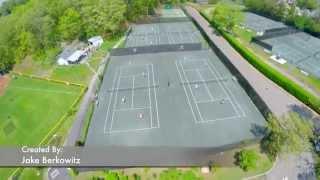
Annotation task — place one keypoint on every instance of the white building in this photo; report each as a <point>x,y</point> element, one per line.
<point>95,41</point>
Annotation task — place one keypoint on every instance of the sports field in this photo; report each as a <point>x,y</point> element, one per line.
<point>261,24</point>
<point>297,48</point>
<point>163,33</point>
<point>179,99</point>
<point>170,101</point>
<point>29,108</point>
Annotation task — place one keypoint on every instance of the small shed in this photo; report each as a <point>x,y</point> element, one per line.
<point>77,56</point>
<point>95,41</point>
<point>72,54</point>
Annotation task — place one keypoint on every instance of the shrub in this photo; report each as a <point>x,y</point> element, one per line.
<point>246,159</point>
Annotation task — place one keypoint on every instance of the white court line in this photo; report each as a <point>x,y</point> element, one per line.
<point>226,89</point>
<point>155,95</point>
<point>132,91</point>
<point>205,85</point>
<point>151,116</point>
<point>222,86</point>
<point>116,100</point>
<point>130,130</point>
<point>194,100</point>
<point>131,109</point>
<point>170,39</point>
<point>193,69</point>
<point>111,97</point>
<point>220,119</point>
<point>185,91</point>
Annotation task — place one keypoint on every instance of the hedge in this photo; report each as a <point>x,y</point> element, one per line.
<point>289,85</point>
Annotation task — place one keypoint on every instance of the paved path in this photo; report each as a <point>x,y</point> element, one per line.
<point>75,132</point>
<point>294,167</point>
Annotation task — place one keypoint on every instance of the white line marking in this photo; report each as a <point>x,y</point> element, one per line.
<point>194,100</point>
<point>111,97</point>
<point>219,119</point>
<point>130,130</point>
<point>205,85</point>
<point>150,104</point>
<point>185,92</point>
<point>226,89</point>
<point>155,96</point>
<point>116,100</point>
<point>132,91</point>
<point>221,85</point>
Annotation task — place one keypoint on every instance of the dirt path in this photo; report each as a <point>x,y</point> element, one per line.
<point>4,82</point>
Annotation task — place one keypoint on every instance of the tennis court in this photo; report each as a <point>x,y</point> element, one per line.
<point>175,99</point>
<point>170,100</point>
<point>259,23</point>
<point>172,13</point>
<point>208,97</point>
<point>132,104</point>
<point>300,49</point>
<point>163,33</point>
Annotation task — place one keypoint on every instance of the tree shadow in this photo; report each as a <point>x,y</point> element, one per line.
<point>258,131</point>
<point>302,111</point>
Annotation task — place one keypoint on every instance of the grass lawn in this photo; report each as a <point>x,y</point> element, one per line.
<point>76,73</point>
<point>95,60</point>
<point>31,174</point>
<point>79,73</point>
<point>29,108</point>
<point>218,173</point>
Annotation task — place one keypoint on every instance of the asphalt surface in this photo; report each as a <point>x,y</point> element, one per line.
<point>279,102</point>
<point>294,167</point>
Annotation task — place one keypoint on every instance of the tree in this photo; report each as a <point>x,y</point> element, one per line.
<point>103,16</point>
<point>247,159</point>
<point>112,176</point>
<point>227,15</point>
<point>173,174</point>
<point>6,59</point>
<point>290,134</point>
<point>69,25</point>
<point>308,4</point>
<point>25,43</point>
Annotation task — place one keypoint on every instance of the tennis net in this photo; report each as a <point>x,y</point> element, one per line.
<point>205,81</point>
<point>132,89</point>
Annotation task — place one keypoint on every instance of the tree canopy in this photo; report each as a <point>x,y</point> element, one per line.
<point>289,14</point>
<point>37,28</point>
<point>227,15</point>
<point>290,134</point>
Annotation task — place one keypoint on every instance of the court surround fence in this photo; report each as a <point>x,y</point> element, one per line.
<point>153,20</point>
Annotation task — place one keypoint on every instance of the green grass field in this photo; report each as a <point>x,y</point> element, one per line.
<point>31,107</point>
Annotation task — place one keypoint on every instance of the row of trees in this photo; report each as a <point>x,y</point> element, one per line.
<point>38,27</point>
<point>289,14</point>
<point>7,6</point>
